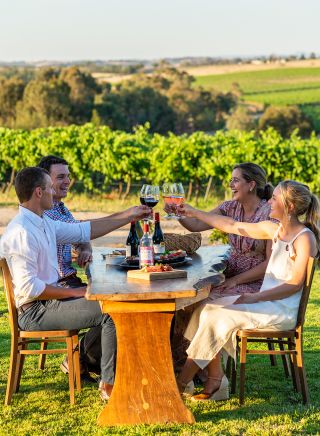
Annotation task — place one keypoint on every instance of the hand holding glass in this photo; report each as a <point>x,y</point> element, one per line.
<point>149,196</point>
<point>173,195</point>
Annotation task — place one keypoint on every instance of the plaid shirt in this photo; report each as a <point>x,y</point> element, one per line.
<point>60,212</point>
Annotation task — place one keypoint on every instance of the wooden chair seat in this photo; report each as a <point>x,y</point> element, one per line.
<point>290,344</point>
<point>21,339</point>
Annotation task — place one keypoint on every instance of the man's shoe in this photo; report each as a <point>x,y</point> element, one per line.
<point>84,374</point>
<point>105,390</point>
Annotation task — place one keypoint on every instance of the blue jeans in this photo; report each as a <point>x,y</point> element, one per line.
<point>75,314</point>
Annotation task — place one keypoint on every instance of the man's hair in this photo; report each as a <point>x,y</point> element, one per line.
<point>27,180</point>
<point>47,161</point>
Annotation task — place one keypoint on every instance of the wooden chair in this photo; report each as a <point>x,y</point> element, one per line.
<point>20,341</point>
<point>290,343</point>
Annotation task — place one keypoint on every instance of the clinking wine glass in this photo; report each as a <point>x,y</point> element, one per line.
<point>173,195</point>
<point>149,196</point>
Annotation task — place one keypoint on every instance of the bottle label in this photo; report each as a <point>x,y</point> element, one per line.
<point>159,248</point>
<point>128,250</point>
<point>146,256</point>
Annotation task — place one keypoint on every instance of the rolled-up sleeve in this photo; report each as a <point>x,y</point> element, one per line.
<point>72,233</point>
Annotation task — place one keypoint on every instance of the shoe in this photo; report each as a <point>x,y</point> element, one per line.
<point>222,393</point>
<point>105,390</point>
<point>84,374</point>
<point>189,389</point>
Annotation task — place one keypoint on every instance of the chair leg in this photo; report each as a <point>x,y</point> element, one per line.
<point>12,371</point>
<point>243,357</point>
<point>20,362</point>
<point>284,360</point>
<point>294,368</point>
<point>273,359</point>
<point>76,361</point>
<point>71,368</point>
<point>228,367</point>
<point>42,357</point>
<point>301,370</point>
<point>233,375</point>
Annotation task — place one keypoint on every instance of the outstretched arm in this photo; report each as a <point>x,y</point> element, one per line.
<point>102,226</point>
<point>194,225</point>
<point>260,230</point>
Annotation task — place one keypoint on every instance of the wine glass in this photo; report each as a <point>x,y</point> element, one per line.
<point>173,195</point>
<point>149,196</point>
<point>178,198</point>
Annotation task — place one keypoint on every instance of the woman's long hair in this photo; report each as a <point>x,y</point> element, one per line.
<point>253,172</point>
<point>304,202</point>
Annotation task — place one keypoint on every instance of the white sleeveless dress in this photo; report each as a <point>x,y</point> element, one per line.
<point>213,326</point>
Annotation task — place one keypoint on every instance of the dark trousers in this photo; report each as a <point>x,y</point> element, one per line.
<point>75,314</point>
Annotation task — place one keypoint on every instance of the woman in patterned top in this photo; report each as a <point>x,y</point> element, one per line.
<point>249,257</point>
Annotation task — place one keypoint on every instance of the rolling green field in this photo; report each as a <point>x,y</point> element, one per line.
<point>278,86</point>
<point>272,408</point>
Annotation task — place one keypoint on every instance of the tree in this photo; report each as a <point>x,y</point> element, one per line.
<point>45,103</point>
<point>241,119</point>
<point>130,105</point>
<point>11,91</point>
<point>83,89</point>
<point>285,120</point>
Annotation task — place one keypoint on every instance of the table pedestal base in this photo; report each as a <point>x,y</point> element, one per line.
<point>145,389</point>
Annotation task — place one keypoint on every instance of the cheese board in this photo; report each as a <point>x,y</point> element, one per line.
<point>162,275</point>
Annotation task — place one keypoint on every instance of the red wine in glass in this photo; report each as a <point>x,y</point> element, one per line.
<point>142,201</point>
<point>150,202</point>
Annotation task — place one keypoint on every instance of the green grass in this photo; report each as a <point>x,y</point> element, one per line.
<point>278,87</point>
<point>42,405</point>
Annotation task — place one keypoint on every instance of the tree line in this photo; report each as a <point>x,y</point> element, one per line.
<point>167,99</point>
<point>99,156</point>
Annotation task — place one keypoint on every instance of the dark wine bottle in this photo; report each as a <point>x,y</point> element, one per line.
<point>132,244</point>
<point>158,239</point>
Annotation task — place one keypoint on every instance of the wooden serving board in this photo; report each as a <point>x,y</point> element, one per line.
<point>151,276</point>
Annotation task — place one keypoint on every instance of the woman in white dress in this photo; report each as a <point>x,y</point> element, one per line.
<point>213,326</point>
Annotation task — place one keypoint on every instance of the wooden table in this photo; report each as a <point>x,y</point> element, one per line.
<point>145,389</point>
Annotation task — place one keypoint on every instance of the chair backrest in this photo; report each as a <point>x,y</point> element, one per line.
<point>8,290</point>
<point>306,291</point>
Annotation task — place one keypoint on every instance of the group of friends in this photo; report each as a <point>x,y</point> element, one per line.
<point>272,233</point>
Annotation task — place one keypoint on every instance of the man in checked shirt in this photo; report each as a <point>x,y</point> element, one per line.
<point>90,344</point>
<point>60,175</point>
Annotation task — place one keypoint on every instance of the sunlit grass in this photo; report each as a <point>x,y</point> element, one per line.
<point>42,405</point>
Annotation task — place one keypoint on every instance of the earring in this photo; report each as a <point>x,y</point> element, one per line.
<point>289,217</point>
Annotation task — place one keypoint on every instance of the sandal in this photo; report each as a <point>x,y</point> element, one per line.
<point>221,393</point>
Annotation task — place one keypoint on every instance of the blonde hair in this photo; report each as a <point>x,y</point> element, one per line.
<point>304,203</point>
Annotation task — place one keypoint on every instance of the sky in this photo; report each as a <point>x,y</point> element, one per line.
<point>33,30</point>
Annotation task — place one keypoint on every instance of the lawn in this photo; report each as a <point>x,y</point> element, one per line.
<point>277,87</point>
<point>42,405</point>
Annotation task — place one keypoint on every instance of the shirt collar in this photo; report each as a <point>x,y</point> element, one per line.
<point>59,206</point>
<point>31,216</point>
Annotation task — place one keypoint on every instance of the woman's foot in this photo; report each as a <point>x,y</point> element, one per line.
<point>215,389</point>
<point>105,390</point>
<point>186,389</point>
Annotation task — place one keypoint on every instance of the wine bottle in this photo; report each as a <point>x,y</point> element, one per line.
<point>132,244</point>
<point>146,256</point>
<point>158,239</point>
<point>139,230</point>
